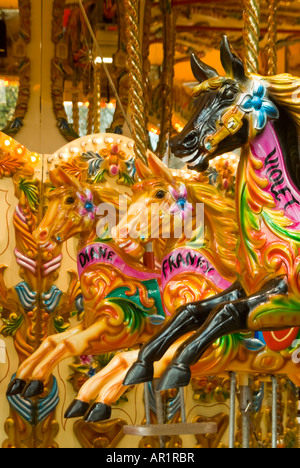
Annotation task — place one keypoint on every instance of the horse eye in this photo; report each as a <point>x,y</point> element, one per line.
<point>229,94</point>
<point>161,194</point>
<point>70,201</point>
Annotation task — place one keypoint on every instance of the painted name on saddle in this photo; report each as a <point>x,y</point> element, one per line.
<point>189,260</point>
<point>100,253</point>
<point>266,148</point>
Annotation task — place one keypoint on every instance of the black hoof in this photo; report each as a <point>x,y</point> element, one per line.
<point>139,372</point>
<point>15,387</point>
<point>177,375</point>
<point>77,409</point>
<point>33,388</point>
<point>98,412</point>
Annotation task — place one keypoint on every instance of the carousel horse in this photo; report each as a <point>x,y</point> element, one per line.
<point>121,298</point>
<point>261,115</point>
<point>193,268</point>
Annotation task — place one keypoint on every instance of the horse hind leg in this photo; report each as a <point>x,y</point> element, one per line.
<point>187,319</point>
<point>225,319</point>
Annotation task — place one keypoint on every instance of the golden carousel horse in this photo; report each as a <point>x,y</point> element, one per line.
<point>121,297</point>
<point>191,262</point>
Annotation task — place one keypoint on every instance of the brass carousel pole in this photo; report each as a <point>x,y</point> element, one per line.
<point>251,33</point>
<point>75,105</point>
<point>97,97</point>
<point>137,105</point>
<point>272,37</point>
<point>167,77</point>
<point>99,54</point>
<point>272,70</point>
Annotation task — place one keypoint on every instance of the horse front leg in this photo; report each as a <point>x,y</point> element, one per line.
<point>100,392</point>
<point>231,317</point>
<point>26,369</point>
<point>96,396</point>
<point>113,385</point>
<point>86,342</point>
<point>187,319</point>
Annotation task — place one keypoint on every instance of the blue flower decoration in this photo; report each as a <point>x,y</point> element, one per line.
<point>260,107</point>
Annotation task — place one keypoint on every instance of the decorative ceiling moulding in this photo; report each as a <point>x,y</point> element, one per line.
<point>22,66</point>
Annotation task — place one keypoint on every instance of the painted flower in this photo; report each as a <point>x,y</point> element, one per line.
<point>88,209</point>
<point>260,107</point>
<point>181,204</point>
<point>86,360</point>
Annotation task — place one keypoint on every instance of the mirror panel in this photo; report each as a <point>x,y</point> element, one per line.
<point>82,99</point>
<point>15,35</point>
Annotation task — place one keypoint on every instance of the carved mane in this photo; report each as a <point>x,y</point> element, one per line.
<point>221,228</point>
<point>285,90</point>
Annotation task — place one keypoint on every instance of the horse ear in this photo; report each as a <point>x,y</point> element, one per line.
<point>58,177</point>
<point>143,171</point>
<point>159,169</point>
<point>201,71</point>
<point>231,62</point>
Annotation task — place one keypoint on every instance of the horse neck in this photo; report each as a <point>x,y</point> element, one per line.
<point>268,200</point>
<point>210,240</point>
<point>87,237</point>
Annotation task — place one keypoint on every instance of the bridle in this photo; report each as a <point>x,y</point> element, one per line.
<point>230,123</point>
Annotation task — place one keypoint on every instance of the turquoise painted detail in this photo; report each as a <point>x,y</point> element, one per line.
<point>35,412</point>
<point>153,292</point>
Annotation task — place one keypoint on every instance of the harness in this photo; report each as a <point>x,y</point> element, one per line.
<point>230,124</point>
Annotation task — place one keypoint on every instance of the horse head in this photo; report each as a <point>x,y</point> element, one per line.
<point>159,203</point>
<point>229,111</point>
<point>73,208</point>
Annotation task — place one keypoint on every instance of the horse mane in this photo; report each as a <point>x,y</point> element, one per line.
<point>285,90</point>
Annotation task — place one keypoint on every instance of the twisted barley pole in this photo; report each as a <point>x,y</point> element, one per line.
<point>137,105</point>
<point>97,97</point>
<point>251,33</point>
<point>167,77</point>
<point>272,37</point>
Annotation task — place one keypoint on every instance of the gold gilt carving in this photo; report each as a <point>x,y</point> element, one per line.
<point>106,434</point>
<point>22,435</point>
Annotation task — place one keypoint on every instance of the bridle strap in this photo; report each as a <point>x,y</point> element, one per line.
<point>230,124</point>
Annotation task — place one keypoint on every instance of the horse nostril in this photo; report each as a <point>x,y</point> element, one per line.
<point>190,140</point>
<point>123,232</point>
<point>43,234</point>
